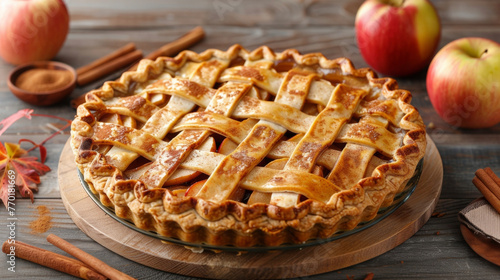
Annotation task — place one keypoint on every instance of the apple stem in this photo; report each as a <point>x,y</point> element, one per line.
<point>483,53</point>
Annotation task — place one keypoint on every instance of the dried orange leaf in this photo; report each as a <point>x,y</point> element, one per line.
<point>26,170</point>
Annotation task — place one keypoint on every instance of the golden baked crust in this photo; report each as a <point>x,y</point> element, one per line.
<point>247,148</point>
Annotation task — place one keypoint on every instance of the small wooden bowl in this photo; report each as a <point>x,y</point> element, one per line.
<point>41,98</point>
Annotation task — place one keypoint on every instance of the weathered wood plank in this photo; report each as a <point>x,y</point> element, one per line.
<point>150,14</point>
<point>153,14</point>
<point>460,164</point>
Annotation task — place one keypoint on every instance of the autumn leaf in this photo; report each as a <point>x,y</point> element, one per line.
<point>27,171</point>
<point>15,162</point>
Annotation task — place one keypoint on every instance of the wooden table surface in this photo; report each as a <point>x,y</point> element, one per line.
<point>436,251</point>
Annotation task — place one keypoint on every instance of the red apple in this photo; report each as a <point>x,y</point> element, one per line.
<point>397,37</point>
<point>463,83</point>
<point>32,30</point>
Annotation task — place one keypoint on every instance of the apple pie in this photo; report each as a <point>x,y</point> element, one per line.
<point>246,149</point>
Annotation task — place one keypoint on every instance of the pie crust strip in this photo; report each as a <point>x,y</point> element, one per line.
<point>322,133</point>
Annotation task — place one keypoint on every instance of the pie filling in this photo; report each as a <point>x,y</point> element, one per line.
<point>247,148</point>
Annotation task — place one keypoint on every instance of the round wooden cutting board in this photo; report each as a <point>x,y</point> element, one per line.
<point>344,252</point>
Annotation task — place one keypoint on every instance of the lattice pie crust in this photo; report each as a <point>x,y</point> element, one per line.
<point>247,148</point>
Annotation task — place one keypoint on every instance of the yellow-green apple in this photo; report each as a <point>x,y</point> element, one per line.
<point>463,83</point>
<point>32,30</point>
<point>397,37</point>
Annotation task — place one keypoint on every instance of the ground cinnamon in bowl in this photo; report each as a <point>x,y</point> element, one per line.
<point>42,83</point>
<point>43,80</point>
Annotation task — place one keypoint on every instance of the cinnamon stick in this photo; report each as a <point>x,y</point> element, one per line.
<point>108,68</point>
<point>493,176</point>
<point>128,48</point>
<point>184,42</point>
<point>489,185</point>
<point>88,259</point>
<point>51,260</point>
